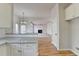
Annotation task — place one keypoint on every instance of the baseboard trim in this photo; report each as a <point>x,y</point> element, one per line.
<point>75,52</point>
<point>64,49</point>
<point>55,46</point>
<point>70,50</point>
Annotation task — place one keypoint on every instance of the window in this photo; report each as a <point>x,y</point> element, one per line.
<point>17,28</point>
<point>23,29</point>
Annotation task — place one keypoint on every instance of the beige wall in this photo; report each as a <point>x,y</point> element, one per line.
<point>5,18</point>
<point>2,33</point>
<point>40,26</point>
<point>74,27</point>
<point>64,41</point>
<point>55,25</point>
<point>60,27</point>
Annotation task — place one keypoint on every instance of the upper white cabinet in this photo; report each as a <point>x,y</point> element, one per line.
<point>72,11</point>
<point>69,12</point>
<point>76,9</point>
<point>5,15</point>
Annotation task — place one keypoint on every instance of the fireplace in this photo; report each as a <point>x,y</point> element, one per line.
<point>39,31</point>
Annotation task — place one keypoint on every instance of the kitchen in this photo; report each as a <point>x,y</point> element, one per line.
<point>20,32</point>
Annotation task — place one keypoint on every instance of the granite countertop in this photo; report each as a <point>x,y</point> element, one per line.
<point>22,34</point>
<point>18,40</point>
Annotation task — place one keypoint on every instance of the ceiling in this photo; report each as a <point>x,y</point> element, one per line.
<point>33,9</point>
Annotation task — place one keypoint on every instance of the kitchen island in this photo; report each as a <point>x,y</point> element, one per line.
<point>18,46</point>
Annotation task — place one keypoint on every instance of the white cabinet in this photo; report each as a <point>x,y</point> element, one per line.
<point>76,9</point>
<point>5,15</point>
<point>72,11</point>
<point>13,50</point>
<point>9,50</point>
<point>29,49</point>
<point>3,50</point>
<point>22,49</point>
<point>69,12</point>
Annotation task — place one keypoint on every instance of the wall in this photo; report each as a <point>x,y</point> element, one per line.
<point>60,37</point>
<point>15,19</point>
<point>74,27</point>
<point>5,11</point>
<point>55,26</point>
<point>32,10</point>
<point>37,25</point>
<point>64,41</point>
<point>31,15</point>
<point>2,32</point>
<point>40,26</point>
<point>55,33</point>
<point>5,15</point>
<point>29,28</point>
<point>49,28</point>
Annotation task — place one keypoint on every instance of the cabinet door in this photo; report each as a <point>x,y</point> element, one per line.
<point>69,12</point>
<point>3,51</point>
<point>14,50</point>
<point>29,49</point>
<point>5,15</point>
<point>76,8</point>
<point>22,49</point>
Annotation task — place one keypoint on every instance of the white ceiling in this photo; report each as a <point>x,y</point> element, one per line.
<point>33,9</point>
<point>37,12</point>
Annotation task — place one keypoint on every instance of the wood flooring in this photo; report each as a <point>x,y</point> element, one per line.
<point>46,48</point>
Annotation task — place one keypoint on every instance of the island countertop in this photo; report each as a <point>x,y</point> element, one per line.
<point>18,40</point>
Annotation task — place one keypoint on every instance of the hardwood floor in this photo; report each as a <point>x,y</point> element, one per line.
<point>45,48</point>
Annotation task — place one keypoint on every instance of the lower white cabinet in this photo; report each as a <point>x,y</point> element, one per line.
<point>16,49</point>
<point>29,49</point>
<point>22,49</point>
<point>3,50</point>
<point>13,50</point>
<point>9,50</point>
